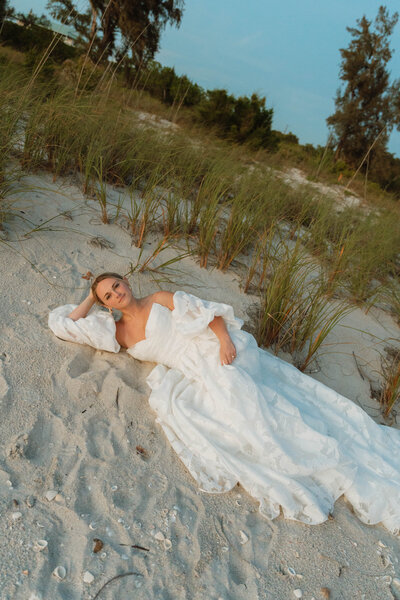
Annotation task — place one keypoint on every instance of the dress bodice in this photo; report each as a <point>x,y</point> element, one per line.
<point>163,343</point>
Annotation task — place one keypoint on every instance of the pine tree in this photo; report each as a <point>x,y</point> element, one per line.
<point>138,22</point>
<point>365,107</point>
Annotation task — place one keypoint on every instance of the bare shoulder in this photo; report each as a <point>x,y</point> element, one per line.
<point>163,298</point>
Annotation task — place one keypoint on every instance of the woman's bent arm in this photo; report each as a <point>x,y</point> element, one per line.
<point>227,351</point>
<point>82,310</point>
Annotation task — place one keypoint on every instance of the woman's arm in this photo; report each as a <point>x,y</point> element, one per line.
<point>227,351</point>
<point>164,298</point>
<point>82,310</point>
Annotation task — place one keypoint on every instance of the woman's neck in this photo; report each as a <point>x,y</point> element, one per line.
<point>132,310</point>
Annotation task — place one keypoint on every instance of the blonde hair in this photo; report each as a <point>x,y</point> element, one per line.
<point>97,281</point>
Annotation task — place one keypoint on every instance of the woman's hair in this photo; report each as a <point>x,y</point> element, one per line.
<point>97,281</point>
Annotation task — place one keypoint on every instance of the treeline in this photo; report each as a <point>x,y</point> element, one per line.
<point>34,39</point>
<point>239,119</point>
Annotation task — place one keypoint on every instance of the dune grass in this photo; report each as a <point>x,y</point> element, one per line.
<point>390,394</point>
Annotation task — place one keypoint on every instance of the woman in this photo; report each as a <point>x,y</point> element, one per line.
<point>234,413</point>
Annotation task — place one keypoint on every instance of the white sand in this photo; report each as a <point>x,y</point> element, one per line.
<point>63,429</point>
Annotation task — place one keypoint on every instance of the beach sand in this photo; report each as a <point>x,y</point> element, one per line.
<point>83,459</point>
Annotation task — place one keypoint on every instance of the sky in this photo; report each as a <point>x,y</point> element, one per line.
<point>286,51</point>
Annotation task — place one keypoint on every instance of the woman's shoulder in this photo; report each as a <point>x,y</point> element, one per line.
<point>162,297</point>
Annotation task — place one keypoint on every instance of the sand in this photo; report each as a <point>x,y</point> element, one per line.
<point>82,458</point>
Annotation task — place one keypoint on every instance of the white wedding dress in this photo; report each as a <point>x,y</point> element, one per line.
<point>291,442</point>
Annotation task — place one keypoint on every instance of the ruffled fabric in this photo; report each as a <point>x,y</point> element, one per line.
<point>97,329</point>
<point>192,315</point>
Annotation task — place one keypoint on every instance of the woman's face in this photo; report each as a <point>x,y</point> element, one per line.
<point>114,293</point>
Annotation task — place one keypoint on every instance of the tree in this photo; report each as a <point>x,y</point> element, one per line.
<point>32,19</point>
<point>365,107</point>
<point>138,23</point>
<point>240,119</point>
<point>5,10</point>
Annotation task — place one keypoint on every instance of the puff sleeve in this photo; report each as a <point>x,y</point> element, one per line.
<point>97,329</point>
<point>192,315</point>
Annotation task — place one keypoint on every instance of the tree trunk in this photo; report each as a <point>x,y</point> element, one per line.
<point>93,27</point>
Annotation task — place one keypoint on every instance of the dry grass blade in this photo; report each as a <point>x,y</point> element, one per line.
<point>390,393</point>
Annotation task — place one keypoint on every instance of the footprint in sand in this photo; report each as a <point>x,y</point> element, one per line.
<point>184,531</point>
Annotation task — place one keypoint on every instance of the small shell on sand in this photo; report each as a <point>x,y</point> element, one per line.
<point>114,488</point>
<point>396,583</point>
<point>59,572</point>
<point>298,593</point>
<point>243,537</point>
<point>40,545</point>
<point>167,544</point>
<point>16,516</point>
<point>88,577</point>
<point>50,495</point>
<point>326,593</point>
<point>159,536</point>
<point>291,571</point>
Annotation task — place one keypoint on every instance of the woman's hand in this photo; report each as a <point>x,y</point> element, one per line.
<point>227,351</point>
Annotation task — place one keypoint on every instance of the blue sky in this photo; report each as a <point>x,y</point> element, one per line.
<point>287,51</point>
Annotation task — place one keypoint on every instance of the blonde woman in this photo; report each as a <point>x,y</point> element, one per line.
<point>235,413</point>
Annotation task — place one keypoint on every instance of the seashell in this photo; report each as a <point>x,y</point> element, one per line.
<point>88,577</point>
<point>59,572</point>
<point>243,537</point>
<point>396,582</point>
<point>30,501</point>
<point>93,525</point>
<point>15,503</point>
<point>50,495</point>
<point>40,545</point>
<point>159,536</point>
<point>58,498</point>
<point>387,561</point>
<point>291,571</point>
<point>167,544</point>
<point>114,488</point>
<point>98,545</point>
<point>16,516</point>
<point>326,593</point>
<point>298,593</point>
<point>381,544</point>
